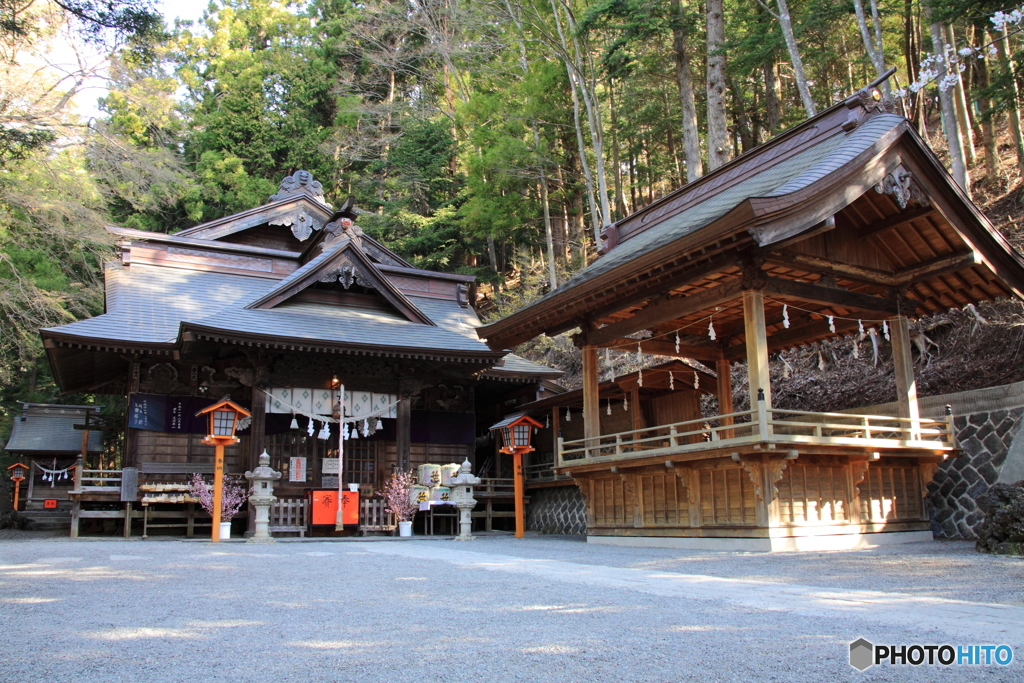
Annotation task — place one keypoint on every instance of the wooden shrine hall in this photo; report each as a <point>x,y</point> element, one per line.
<point>846,224</point>
<point>295,313</point>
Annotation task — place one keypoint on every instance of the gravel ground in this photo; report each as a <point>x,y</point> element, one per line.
<point>496,609</point>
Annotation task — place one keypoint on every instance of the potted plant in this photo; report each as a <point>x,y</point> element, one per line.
<point>396,495</point>
<point>232,499</point>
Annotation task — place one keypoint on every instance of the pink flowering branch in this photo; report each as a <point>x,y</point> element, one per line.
<point>396,496</point>
<point>232,499</point>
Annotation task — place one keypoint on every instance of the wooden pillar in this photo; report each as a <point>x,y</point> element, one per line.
<point>903,364</point>
<point>556,432</point>
<point>724,389</point>
<point>257,442</point>
<point>591,397</point>
<point>635,409</point>
<point>519,490</point>
<point>403,437</point>
<point>757,347</point>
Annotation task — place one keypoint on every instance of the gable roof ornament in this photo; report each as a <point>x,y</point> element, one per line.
<point>900,184</point>
<point>300,183</point>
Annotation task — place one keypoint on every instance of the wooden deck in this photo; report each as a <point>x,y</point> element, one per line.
<point>765,430</point>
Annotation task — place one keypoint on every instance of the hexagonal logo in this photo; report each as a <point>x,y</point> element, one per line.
<point>862,654</point>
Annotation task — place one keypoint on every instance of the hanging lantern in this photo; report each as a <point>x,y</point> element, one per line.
<point>516,433</point>
<point>223,419</point>
<point>294,424</point>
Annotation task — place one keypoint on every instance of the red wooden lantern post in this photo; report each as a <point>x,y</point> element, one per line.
<point>517,433</point>
<point>17,476</point>
<point>224,417</point>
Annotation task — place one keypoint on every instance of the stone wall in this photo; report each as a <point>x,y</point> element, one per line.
<point>986,438</point>
<point>557,510</point>
<point>988,427</point>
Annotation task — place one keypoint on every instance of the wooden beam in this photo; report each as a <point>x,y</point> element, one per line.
<point>686,277</point>
<point>830,296</point>
<point>657,347</point>
<point>894,221</point>
<point>757,346</point>
<point>667,310</point>
<point>724,390</point>
<point>903,364</point>
<point>938,266</point>
<point>591,394</point>
<point>817,264</point>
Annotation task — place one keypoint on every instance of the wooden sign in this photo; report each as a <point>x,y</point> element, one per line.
<point>325,507</point>
<point>329,466</point>
<point>297,469</point>
<point>50,504</point>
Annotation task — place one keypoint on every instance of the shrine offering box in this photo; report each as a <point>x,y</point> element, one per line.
<point>429,475</point>
<point>325,507</point>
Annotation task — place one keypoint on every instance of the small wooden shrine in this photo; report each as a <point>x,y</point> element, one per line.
<point>846,224</point>
<point>50,439</point>
<point>289,309</point>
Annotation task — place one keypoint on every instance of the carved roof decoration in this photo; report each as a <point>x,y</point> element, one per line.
<point>343,262</point>
<point>300,183</point>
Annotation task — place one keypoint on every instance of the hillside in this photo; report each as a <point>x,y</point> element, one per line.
<point>960,350</point>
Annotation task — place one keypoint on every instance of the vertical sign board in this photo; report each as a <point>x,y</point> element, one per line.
<point>297,469</point>
<point>325,507</point>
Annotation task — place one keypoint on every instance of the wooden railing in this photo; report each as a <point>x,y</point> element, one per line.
<point>793,427</point>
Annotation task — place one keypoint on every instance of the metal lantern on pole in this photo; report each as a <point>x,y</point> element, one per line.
<point>517,435</point>
<point>17,471</point>
<point>223,419</point>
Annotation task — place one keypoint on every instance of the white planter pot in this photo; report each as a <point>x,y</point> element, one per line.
<point>405,528</point>
<point>354,488</point>
<point>225,530</point>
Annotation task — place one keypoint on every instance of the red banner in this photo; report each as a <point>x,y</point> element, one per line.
<point>325,507</point>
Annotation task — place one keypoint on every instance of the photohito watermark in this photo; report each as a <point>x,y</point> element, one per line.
<point>864,654</point>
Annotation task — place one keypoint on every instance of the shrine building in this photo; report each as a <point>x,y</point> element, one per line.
<point>845,225</point>
<point>296,314</point>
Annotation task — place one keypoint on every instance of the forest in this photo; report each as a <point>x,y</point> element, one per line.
<point>489,137</point>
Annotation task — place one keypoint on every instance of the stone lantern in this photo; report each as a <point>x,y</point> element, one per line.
<point>462,496</point>
<point>262,479</point>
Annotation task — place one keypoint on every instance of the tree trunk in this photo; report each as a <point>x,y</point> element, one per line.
<point>988,132</point>
<point>684,76</point>
<point>1010,68</point>
<point>963,116</point>
<point>947,107</point>
<point>620,204</point>
<point>873,48</point>
<point>771,97</point>
<point>718,134</point>
<point>794,56</point>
